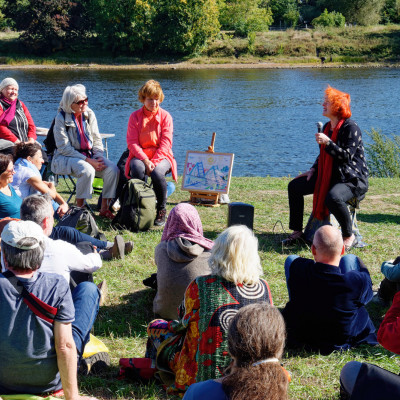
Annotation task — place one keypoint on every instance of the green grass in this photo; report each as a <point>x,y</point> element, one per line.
<point>121,324</point>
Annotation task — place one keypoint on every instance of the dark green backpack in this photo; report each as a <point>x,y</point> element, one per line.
<point>138,207</point>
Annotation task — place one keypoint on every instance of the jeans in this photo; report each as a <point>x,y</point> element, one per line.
<point>138,170</point>
<point>335,200</point>
<point>348,263</point>
<point>73,236</point>
<point>86,297</point>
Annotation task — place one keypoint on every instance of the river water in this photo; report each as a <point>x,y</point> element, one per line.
<point>267,118</point>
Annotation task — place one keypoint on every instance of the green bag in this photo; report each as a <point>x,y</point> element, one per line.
<point>138,207</point>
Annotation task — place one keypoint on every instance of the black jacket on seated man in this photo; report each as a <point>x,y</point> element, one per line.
<point>326,308</point>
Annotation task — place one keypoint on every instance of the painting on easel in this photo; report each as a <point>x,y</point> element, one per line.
<point>207,172</point>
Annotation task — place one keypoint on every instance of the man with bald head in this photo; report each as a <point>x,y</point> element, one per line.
<point>327,297</point>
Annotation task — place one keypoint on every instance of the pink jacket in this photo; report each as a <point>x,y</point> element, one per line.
<point>164,140</point>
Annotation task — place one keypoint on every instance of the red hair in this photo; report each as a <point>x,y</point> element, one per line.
<point>340,102</point>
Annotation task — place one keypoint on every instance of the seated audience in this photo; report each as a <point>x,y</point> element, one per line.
<point>45,357</point>
<point>59,256</point>
<point>327,297</point>
<point>27,178</point>
<point>181,257</point>
<point>390,284</point>
<point>10,202</point>
<point>256,339</point>
<point>16,123</point>
<point>80,150</point>
<point>194,348</point>
<point>363,381</point>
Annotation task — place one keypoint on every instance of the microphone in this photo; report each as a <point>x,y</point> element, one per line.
<point>319,127</point>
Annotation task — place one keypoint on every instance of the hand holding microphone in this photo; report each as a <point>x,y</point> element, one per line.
<point>320,137</point>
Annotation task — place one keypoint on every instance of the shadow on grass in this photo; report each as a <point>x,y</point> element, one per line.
<point>130,318</point>
<point>379,218</point>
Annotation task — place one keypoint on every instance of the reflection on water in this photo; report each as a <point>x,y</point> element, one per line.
<point>266,117</point>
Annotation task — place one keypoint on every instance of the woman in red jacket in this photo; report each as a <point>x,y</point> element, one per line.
<point>16,123</point>
<point>149,139</point>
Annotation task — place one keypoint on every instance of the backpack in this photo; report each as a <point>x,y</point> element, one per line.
<point>138,207</point>
<point>50,142</point>
<point>81,219</point>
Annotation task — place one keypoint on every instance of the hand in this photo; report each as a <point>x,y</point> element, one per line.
<point>96,163</point>
<point>308,174</point>
<point>149,166</point>
<point>62,209</point>
<point>52,189</point>
<point>321,138</point>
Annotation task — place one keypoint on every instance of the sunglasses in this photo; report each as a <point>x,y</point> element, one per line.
<point>80,102</point>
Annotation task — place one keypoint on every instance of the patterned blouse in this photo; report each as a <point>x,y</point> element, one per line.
<point>349,164</point>
<point>201,351</point>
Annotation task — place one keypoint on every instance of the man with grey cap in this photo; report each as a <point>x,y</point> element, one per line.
<point>16,123</point>
<point>40,333</point>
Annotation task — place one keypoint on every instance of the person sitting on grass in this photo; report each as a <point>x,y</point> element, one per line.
<point>256,339</point>
<point>363,381</point>
<point>390,284</point>
<point>39,349</point>
<point>327,297</point>
<point>194,347</point>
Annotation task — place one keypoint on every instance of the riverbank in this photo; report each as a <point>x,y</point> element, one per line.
<point>374,46</point>
<point>122,322</point>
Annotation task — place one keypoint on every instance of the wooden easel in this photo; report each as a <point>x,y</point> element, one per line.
<point>205,198</point>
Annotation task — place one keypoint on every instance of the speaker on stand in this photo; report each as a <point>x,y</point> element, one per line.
<point>241,214</point>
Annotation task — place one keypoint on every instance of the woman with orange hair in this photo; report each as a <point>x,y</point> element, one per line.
<point>339,173</point>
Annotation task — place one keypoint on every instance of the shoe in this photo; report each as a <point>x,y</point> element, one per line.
<point>107,214</point>
<point>103,292</point>
<point>118,249</point>
<point>293,238</point>
<point>95,358</point>
<point>160,218</point>
<point>151,281</point>
<point>129,246</point>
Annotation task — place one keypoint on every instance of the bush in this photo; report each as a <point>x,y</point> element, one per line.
<point>383,155</point>
<point>329,19</point>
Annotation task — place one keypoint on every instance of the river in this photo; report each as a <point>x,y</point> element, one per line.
<point>266,117</point>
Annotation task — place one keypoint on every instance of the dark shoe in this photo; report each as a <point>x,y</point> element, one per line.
<point>151,281</point>
<point>160,218</point>
<point>293,239</point>
<point>95,358</point>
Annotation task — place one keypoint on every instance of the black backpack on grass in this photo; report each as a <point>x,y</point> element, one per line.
<point>50,142</point>
<point>138,207</point>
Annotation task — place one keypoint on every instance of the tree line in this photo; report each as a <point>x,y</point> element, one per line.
<point>181,27</point>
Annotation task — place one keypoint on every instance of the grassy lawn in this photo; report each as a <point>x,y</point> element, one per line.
<point>122,322</point>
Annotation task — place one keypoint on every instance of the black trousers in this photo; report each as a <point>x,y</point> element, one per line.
<point>335,200</point>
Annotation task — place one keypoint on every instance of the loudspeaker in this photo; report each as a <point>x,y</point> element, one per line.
<point>240,214</point>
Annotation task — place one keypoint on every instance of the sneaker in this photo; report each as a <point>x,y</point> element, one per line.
<point>103,292</point>
<point>129,246</point>
<point>160,217</point>
<point>95,358</point>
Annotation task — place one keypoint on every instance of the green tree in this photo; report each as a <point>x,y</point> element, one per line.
<point>361,12</point>
<point>53,25</point>
<point>123,26</point>
<point>184,26</point>
<point>390,12</point>
<point>17,12</point>
<point>244,16</point>
<point>286,11</point>
<point>329,19</point>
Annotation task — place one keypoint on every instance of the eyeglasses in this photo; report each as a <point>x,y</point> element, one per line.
<point>80,102</point>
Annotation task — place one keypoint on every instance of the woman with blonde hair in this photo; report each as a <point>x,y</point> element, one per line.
<point>256,339</point>
<point>339,173</point>
<point>194,347</point>
<point>80,150</point>
<point>149,140</point>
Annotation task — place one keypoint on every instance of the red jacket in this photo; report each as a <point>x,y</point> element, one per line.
<point>6,134</point>
<point>164,131</point>
<point>389,331</point>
